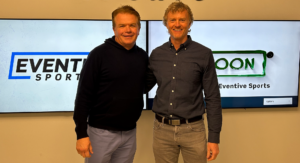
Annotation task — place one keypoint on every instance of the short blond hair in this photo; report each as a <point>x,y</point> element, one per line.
<point>178,7</point>
<point>126,9</point>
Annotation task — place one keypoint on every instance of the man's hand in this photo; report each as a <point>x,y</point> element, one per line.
<point>84,147</point>
<point>212,151</point>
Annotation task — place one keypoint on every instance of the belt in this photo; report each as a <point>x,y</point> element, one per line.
<point>176,121</point>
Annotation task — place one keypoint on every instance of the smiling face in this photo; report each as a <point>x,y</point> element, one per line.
<point>126,29</point>
<point>178,25</point>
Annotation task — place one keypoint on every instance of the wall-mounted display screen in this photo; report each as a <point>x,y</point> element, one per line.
<point>257,62</point>
<point>40,61</point>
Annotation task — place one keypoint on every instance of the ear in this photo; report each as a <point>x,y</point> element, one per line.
<point>114,29</point>
<point>190,24</point>
<point>138,32</point>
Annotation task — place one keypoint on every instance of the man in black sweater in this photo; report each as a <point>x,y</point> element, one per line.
<point>109,98</point>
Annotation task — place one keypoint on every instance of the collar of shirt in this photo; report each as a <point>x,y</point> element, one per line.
<point>184,45</point>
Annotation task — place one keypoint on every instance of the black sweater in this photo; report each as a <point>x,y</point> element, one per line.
<point>110,88</point>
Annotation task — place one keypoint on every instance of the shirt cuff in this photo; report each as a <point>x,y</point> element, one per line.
<point>214,137</point>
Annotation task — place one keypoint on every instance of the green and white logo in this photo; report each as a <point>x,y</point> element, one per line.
<point>240,63</point>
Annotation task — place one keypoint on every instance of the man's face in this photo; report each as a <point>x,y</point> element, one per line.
<point>178,25</point>
<point>126,29</point>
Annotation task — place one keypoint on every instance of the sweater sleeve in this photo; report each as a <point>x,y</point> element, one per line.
<point>213,101</point>
<point>85,92</point>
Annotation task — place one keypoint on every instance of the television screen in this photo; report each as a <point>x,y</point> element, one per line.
<point>257,62</point>
<point>41,60</point>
